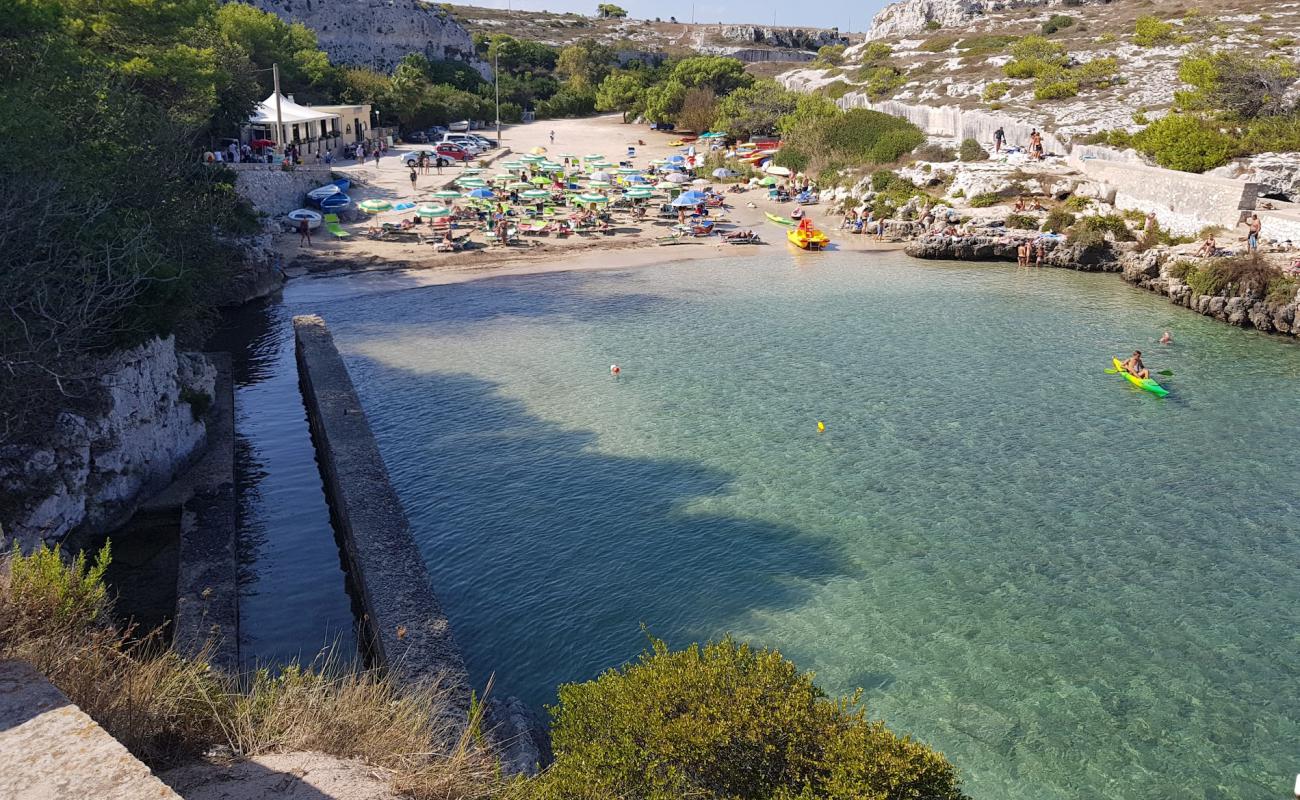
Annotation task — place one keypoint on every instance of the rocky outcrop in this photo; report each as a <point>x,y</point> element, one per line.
<point>1278,174</point>
<point>1153,270</point>
<point>916,16</point>
<point>790,38</point>
<point>92,470</point>
<point>988,247</point>
<point>379,34</point>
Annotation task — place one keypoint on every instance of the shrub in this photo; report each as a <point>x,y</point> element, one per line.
<point>933,25</point>
<point>1140,118</point>
<point>1180,269</point>
<point>1057,22</point>
<point>1282,289</point>
<point>1185,143</point>
<point>985,200</point>
<point>1150,31</point>
<point>728,720</point>
<point>1022,221</point>
<point>1102,225</point>
<point>933,151</point>
<point>1055,89</point>
<point>995,90</point>
<point>987,44</point>
<point>1085,237</point>
<point>1034,56</point>
<point>830,55</point>
<point>1240,84</point>
<point>876,51</point>
<point>881,81</point>
<point>881,180</point>
<point>1058,220</point>
<point>960,193</point>
<point>1235,276</point>
<point>971,151</point>
<point>1077,203</point>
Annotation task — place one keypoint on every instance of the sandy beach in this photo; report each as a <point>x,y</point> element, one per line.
<point>631,244</point>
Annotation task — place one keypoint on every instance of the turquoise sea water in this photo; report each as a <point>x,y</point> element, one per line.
<point>1071,587</point>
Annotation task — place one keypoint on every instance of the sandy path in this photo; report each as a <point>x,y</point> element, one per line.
<point>631,245</point>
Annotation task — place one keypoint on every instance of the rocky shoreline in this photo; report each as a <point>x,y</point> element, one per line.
<point>1057,252</point>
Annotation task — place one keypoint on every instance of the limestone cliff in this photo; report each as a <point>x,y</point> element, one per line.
<point>378,33</point>
<point>92,469</point>
<point>919,16</point>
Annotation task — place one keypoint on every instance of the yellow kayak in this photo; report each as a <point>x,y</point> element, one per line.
<point>1142,383</point>
<point>808,239</point>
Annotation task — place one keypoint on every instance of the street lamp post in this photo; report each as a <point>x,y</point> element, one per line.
<point>496,79</point>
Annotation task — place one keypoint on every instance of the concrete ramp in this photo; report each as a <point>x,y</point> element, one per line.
<point>51,750</point>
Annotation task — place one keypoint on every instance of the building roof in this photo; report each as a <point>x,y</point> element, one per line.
<point>290,112</point>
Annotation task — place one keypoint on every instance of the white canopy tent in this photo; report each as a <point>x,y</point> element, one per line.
<point>298,123</point>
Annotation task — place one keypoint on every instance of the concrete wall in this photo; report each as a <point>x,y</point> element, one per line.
<point>1183,202</point>
<point>273,191</point>
<point>1280,225</point>
<point>407,629</point>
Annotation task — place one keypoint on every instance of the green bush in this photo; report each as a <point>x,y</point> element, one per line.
<point>987,44</point>
<point>933,25</point>
<point>1034,56</point>
<point>876,51</point>
<point>72,596</point>
<point>1057,22</point>
<point>881,81</point>
<point>985,200</point>
<point>932,151</point>
<point>960,193</point>
<point>1185,143</point>
<point>1282,289</point>
<point>1058,220</point>
<point>881,180</point>
<point>870,136</point>
<point>995,90</point>
<point>836,89</point>
<point>971,151</point>
<point>728,721</point>
<point>1150,31</point>
<point>1055,89</point>
<point>1022,221</point>
<point>1078,203</point>
<point>1179,270</point>
<point>938,44</point>
<point>1102,225</point>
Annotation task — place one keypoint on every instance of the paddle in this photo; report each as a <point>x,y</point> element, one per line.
<point>1168,373</point>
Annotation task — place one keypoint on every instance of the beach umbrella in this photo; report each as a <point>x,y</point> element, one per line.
<point>503,176</point>
<point>262,143</point>
<point>638,179</point>
<point>532,159</point>
<point>768,181</point>
<point>689,199</point>
<point>602,164</point>
<point>598,184</point>
<point>538,151</point>
<point>374,206</point>
<point>513,165</point>
<point>588,197</point>
<point>699,182</point>
<point>519,185</point>
<point>550,166</point>
<point>430,211</point>
<point>482,194</point>
<point>638,194</point>
<point>723,172</point>
<point>592,157</point>
<point>446,194</point>
<point>471,181</point>
<point>540,181</point>
<point>470,171</point>
<point>628,171</point>
<point>535,194</point>
<point>678,177</point>
<point>676,159</point>
<point>665,185</point>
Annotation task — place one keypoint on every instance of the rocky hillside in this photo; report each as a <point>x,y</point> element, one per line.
<point>952,53</point>
<point>635,37</point>
<point>377,34</point>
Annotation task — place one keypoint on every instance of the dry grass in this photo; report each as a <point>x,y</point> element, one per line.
<point>167,710</point>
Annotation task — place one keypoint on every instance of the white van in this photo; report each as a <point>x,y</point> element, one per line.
<point>465,140</point>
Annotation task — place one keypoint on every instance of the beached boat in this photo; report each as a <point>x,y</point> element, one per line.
<point>808,238</point>
<point>298,215</point>
<point>778,219</point>
<point>1142,383</point>
<point>320,193</point>
<point>335,203</point>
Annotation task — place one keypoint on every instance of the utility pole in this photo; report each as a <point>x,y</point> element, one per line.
<point>279,118</point>
<point>496,79</point>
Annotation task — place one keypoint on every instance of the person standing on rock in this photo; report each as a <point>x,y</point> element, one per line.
<point>999,138</point>
<point>1252,235</point>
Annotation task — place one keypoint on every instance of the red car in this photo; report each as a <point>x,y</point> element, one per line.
<point>454,152</point>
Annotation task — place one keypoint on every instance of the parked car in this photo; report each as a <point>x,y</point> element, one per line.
<point>464,140</point>
<point>662,126</point>
<point>435,158</point>
<point>483,140</point>
<point>436,132</point>
<point>447,150</point>
<point>463,125</point>
<point>417,137</point>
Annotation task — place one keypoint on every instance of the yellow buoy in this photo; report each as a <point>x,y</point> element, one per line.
<point>821,426</point>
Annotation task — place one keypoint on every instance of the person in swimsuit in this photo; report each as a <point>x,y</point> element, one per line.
<point>1135,366</point>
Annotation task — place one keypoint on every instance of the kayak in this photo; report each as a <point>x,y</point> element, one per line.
<point>808,240</point>
<point>1142,383</point>
<point>778,219</point>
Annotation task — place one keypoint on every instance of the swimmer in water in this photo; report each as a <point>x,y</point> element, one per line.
<point>615,370</point>
<point>1166,339</point>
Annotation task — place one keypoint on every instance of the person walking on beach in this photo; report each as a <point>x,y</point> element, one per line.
<point>376,158</point>
<point>552,137</point>
<point>414,175</point>
<point>304,232</point>
<point>999,138</point>
<point>1252,236</point>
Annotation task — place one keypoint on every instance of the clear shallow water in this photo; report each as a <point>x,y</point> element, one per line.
<point>1073,588</point>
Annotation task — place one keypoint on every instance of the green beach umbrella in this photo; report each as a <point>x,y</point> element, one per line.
<point>588,197</point>
<point>540,181</point>
<point>638,194</point>
<point>592,157</point>
<point>513,165</point>
<point>472,183</point>
<point>535,194</point>
<point>628,171</point>
<point>550,166</point>
<point>374,206</point>
<point>519,185</point>
<point>768,181</point>
<point>471,171</point>
<point>430,211</point>
<point>446,194</point>
<point>504,176</point>
<point>598,184</point>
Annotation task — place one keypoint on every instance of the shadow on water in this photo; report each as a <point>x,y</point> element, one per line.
<point>547,553</point>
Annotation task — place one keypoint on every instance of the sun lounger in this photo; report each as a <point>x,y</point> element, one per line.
<point>332,225</point>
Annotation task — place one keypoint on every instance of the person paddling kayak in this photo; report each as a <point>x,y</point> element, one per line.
<point>1135,366</point>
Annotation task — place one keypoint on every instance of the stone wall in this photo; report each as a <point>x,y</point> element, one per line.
<point>93,470</point>
<point>1183,202</point>
<point>1280,225</point>
<point>274,191</point>
<point>379,33</point>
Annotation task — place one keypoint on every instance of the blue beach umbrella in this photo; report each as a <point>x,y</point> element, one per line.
<point>482,194</point>
<point>689,199</point>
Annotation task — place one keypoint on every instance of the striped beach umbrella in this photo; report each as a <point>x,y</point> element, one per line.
<point>592,157</point>
<point>374,206</point>
<point>589,197</point>
<point>472,183</point>
<point>535,194</point>
<point>432,211</point>
<point>638,194</point>
<point>446,194</point>
<point>598,184</point>
<point>516,185</point>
